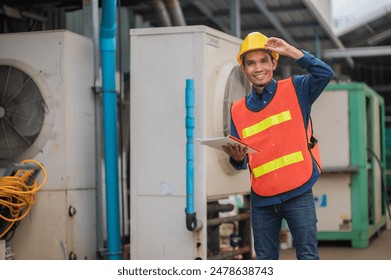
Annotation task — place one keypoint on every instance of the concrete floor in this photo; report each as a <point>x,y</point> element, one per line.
<point>379,249</point>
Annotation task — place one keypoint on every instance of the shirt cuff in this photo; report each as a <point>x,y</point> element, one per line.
<point>238,165</point>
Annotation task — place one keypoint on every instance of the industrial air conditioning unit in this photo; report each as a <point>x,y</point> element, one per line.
<point>47,114</point>
<point>349,121</point>
<point>162,61</point>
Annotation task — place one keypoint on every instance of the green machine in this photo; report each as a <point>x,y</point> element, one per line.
<point>349,122</point>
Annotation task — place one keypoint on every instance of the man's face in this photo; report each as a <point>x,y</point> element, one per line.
<point>259,66</point>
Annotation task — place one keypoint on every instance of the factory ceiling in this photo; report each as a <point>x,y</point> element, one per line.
<point>361,51</point>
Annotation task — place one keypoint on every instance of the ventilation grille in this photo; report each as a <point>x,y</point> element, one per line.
<point>22,112</point>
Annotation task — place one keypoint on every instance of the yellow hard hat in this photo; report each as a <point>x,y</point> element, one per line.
<point>254,41</point>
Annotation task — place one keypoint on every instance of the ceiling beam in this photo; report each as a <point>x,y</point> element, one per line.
<point>357,52</point>
<point>18,14</point>
<point>274,21</point>
<point>380,36</point>
<point>250,10</point>
<point>206,12</point>
<point>288,8</point>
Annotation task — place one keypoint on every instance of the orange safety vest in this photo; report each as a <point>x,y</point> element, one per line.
<point>284,160</point>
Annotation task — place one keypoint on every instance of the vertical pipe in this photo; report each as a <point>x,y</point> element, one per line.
<point>162,14</point>
<point>108,57</point>
<point>234,14</point>
<point>191,219</point>
<point>317,44</point>
<point>91,29</point>
<point>175,10</point>
<point>189,146</point>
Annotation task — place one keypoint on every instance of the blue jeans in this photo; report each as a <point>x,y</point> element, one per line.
<point>300,215</point>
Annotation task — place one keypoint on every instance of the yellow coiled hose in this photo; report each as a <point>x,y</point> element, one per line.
<point>17,196</point>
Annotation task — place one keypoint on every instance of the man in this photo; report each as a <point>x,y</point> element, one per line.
<point>275,119</point>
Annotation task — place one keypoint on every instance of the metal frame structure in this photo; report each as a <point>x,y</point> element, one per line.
<point>368,166</point>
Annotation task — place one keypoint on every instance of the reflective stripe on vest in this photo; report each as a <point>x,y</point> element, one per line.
<point>278,163</point>
<point>266,123</point>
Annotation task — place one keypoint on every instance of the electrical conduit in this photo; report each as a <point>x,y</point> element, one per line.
<point>108,57</point>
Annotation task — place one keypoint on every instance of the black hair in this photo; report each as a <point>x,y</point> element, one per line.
<point>244,55</point>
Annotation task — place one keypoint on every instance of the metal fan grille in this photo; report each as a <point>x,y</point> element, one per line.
<point>22,111</point>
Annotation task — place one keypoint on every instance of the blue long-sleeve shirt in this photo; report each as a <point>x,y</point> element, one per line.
<point>308,88</point>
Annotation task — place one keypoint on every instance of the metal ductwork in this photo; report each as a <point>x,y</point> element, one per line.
<point>169,13</point>
<point>164,18</point>
<point>175,10</point>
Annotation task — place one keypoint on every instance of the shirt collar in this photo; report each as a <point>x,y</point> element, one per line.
<point>269,88</point>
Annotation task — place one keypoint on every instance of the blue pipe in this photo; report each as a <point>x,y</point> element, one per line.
<point>108,57</point>
<point>191,220</point>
